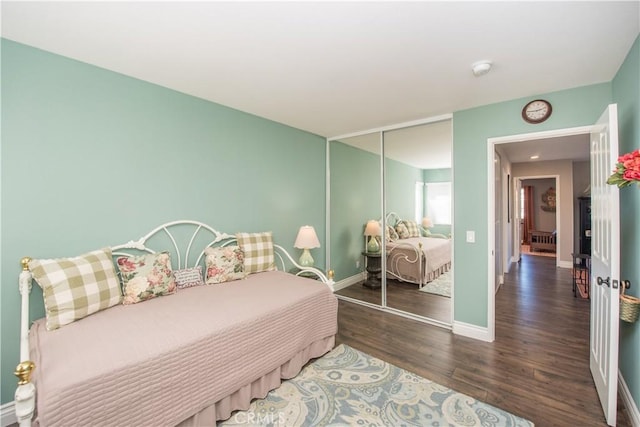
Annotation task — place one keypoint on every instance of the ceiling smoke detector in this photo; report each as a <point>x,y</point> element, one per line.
<point>481,68</point>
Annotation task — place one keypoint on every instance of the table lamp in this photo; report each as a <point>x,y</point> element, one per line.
<point>427,224</point>
<point>307,239</point>
<point>373,231</point>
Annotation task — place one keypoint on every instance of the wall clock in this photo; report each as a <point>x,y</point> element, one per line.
<point>536,111</point>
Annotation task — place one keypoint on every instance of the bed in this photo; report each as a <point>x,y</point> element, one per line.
<point>412,256</point>
<point>542,240</point>
<point>188,358</point>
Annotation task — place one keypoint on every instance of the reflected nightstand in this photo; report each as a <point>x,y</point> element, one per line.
<point>374,268</point>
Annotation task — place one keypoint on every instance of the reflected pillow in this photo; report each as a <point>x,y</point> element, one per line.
<point>412,227</point>
<point>402,231</point>
<point>391,234</point>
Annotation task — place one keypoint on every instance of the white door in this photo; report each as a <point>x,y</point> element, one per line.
<point>605,262</point>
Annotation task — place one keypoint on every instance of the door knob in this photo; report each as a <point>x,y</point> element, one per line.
<point>602,281</point>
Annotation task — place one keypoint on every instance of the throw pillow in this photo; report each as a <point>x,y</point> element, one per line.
<point>258,251</point>
<point>74,288</point>
<point>224,264</point>
<point>391,234</point>
<point>188,277</point>
<point>146,276</point>
<point>402,231</point>
<point>412,227</point>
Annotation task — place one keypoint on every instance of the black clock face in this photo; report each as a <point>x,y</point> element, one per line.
<point>536,111</point>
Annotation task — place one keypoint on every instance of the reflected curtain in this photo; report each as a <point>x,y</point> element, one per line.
<point>528,221</point>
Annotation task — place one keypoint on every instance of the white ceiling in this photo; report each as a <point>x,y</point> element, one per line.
<point>426,146</point>
<point>337,67</point>
<point>575,147</point>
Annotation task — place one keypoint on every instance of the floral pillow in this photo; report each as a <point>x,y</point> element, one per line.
<point>188,277</point>
<point>391,234</point>
<point>403,233</point>
<point>146,276</point>
<point>224,264</point>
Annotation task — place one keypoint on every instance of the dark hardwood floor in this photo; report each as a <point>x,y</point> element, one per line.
<point>537,368</point>
<point>404,296</point>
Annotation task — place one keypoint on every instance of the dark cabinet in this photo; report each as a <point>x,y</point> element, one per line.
<point>585,225</point>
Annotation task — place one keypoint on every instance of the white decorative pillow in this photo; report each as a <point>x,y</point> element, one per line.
<point>258,251</point>
<point>146,276</point>
<point>224,264</point>
<point>74,288</point>
<point>188,277</point>
<point>412,227</point>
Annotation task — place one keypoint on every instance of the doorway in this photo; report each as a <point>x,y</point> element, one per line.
<point>536,230</point>
<point>538,147</point>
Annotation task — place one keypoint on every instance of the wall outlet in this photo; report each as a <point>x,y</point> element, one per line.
<point>358,264</point>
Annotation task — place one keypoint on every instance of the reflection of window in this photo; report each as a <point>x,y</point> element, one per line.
<point>522,203</point>
<point>439,202</point>
<point>419,201</point>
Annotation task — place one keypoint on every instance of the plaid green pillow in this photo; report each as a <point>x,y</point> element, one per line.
<point>412,227</point>
<point>258,251</point>
<point>74,288</point>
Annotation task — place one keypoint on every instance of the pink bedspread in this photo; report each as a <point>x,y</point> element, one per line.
<point>160,362</point>
<point>402,258</point>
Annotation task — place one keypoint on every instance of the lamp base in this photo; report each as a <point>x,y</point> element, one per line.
<point>373,246</point>
<point>306,260</point>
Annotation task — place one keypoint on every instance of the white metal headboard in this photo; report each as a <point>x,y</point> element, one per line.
<point>181,249</point>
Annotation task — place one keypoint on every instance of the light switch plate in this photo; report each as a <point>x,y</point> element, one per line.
<point>471,236</point>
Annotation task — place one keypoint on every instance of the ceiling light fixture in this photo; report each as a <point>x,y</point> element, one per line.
<point>481,68</point>
<point>534,157</point>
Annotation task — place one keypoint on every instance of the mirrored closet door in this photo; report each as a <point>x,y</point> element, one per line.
<point>355,211</point>
<point>417,164</point>
<point>401,203</point>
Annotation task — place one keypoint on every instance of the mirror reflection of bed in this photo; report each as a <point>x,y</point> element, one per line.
<point>417,186</point>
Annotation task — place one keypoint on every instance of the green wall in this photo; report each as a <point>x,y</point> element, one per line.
<point>92,158</point>
<point>626,93</point>
<point>355,199</point>
<point>400,183</point>
<point>471,129</point>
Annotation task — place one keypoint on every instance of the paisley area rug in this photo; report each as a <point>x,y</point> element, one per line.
<point>441,285</point>
<point>349,388</point>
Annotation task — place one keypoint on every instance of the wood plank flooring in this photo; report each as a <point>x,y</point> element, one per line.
<point>404,296</point>
<point>537,368</point>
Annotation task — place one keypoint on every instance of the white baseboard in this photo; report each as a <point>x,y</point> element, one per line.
<point>471,331</point>
<point>629,403</point>
<point>8,414</point>
<point>565,264</point>
<point>348,281</point>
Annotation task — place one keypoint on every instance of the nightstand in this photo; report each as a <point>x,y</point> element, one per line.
<point>374,268</point>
